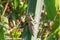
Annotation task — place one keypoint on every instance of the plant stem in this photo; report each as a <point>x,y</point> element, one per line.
<point>37,17</point>
<point>6,6</point>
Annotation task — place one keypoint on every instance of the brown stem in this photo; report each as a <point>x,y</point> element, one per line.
<point>6,6</point>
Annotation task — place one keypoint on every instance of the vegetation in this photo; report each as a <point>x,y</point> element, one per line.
<point>30,19</point>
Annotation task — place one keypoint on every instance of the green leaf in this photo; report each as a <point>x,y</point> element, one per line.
<point>25,6</point>
<point>1,32</point>
<point>56,23</point>
<point>55,28</point>
<point>50,8</point>
<point>59,34</point>
<point>53,34</point>
<point>31,6</point>
<point>26,34</point>
<point>56,4</point>
<point>16,3</point>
